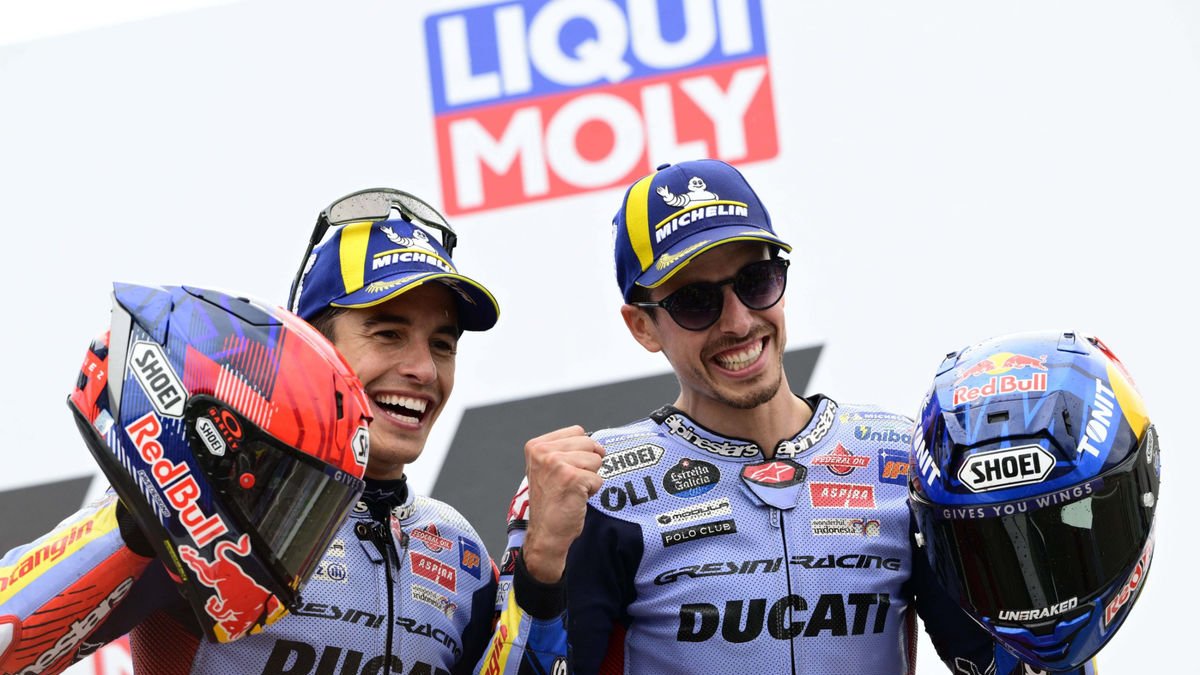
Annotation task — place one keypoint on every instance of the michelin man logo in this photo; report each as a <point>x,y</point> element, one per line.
<point>418,240</point>
<point>697,194</point>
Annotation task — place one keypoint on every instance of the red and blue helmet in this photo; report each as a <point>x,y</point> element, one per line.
<point>1034,485</point>
<point>235,434</point>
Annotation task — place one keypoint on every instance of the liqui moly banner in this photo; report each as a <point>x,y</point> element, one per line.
<point>536,99</point>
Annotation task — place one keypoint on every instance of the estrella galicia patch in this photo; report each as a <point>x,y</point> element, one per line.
<point>690,478</point>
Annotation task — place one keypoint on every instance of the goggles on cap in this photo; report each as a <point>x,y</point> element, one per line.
<point>698,305</point>
<point>372,205</point>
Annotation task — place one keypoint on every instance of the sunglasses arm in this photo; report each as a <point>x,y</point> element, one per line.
<point>319,230</point>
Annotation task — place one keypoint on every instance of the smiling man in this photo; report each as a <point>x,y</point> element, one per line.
<point>742,528</point>
<point>386,292</point>
<point>405,586</point>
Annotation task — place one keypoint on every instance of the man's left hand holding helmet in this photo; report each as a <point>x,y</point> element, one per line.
<point>401,585</point>
<point>236,439</point>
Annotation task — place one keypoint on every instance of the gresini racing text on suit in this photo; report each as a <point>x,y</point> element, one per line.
<point>699,555</point>
<point>406,588</point>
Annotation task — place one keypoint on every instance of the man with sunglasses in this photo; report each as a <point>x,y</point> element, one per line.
<point>742,528</point>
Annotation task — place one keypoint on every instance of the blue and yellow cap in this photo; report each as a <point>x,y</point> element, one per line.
<point>370,262</point>
<point>680,211</point>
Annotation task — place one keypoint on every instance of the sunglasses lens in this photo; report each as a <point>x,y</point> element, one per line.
<point>760,285</point>
<point>695,306</point>
<point>361,206</point>
<point>421,210</point>
<point>377,205</point>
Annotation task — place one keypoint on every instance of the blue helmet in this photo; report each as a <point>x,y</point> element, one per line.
<point>1034,485</point>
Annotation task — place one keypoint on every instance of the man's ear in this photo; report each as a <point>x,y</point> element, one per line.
<point>642,327</point>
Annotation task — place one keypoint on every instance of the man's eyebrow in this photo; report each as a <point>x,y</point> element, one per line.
<point>376,319</point>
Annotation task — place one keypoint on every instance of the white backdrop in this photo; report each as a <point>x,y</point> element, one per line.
<point>947,171</point>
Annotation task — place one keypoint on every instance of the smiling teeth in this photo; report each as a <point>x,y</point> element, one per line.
<point>403,418</point>
<point>740,359</point>
<point>415,404</point>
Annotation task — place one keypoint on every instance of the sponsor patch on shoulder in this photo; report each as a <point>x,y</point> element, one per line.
<point>856,527</point>
<point>332,571</point>
<point>894,466</point>
<point>431,538</point>
<point>434,599</point>
<point>691,478</point>
<point>632,459</point>
<point>716,507</point>
<point>700,531</point>
<point>840,461</point>
<point>778,473</point>
<point>842,495</point>
<point>470,557</point>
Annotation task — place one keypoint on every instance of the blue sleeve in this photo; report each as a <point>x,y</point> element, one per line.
<point>601,569</point>
<point>529,635</point>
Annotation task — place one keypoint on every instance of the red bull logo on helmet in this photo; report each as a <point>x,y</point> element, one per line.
<point>535,99</point>
<point>1130,588</point>
<point>998,366</point>
<point>1000,363</point>
<point>175,480</point>
<point>238,603</point>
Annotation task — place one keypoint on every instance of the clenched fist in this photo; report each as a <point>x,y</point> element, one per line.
<point>561,471</point>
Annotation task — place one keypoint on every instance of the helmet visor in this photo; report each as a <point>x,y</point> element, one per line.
<point>288,501</point>
<point>1026,561</point>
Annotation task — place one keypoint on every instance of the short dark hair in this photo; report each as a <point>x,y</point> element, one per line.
<point>323,320</point>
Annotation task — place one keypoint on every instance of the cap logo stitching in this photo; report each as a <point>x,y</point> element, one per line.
<point>666,260</point>
<point>383,286</point>
<point>697,212</point>
<point>409,255</point>
<point>418,240</point>
<point>697,193</point>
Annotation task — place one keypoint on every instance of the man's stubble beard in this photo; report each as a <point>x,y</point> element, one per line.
<point>751,399</point>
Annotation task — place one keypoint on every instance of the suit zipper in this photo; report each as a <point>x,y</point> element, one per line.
<point>383,541</point>
<point>787,568</point>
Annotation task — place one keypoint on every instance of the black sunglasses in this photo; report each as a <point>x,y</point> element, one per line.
<point>697,306</point>
<point>373,204</point>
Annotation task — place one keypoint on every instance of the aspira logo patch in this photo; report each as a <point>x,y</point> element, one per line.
<point>1006,468</point>
<point>536,99</point>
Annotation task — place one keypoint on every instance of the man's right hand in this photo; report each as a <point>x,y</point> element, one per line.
<point>561,469</point>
